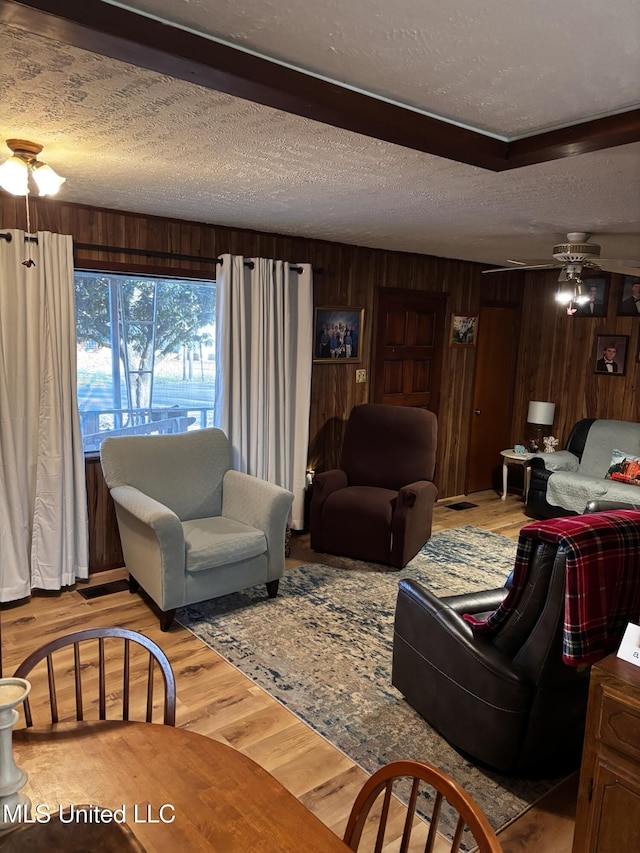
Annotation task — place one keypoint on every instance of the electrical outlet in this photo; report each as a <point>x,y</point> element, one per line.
<point>361,375</point>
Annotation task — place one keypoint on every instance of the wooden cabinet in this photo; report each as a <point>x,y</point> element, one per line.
<point>608,814</point>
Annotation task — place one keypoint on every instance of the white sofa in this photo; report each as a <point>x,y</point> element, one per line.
<point>563,483</point>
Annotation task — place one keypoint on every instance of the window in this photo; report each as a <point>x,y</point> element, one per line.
<point>146,358</point>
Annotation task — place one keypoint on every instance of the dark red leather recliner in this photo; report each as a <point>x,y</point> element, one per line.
<point>514,696</point>
<point>378,505</point>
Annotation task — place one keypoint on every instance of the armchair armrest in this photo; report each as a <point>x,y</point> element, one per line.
<point>324,485</point>
<point>152,544</point>
<point>485,601</point>
<point>562,460</point>
<point>411,522</point>
<point>260,504</point>
<point>439,634</point>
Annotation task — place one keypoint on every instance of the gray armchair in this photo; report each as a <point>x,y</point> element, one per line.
<point>191,527</point>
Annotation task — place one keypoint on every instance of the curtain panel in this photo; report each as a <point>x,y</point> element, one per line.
<point>43,505</point>
<point>264,320</point>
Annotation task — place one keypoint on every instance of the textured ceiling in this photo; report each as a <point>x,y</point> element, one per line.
<point>131,139</point>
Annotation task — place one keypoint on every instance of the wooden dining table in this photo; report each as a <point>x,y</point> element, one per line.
<point>159,788</point>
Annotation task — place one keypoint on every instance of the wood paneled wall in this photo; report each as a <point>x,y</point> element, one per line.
<point>555,353</point>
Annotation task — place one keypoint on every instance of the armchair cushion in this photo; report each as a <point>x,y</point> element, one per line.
<point>216,541</point>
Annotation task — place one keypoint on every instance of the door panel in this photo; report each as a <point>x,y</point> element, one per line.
<point>492,397</point>
<point>408,348</point>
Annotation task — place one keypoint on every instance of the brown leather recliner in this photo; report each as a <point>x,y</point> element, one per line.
<point>378,506</point>
<point>507,698</point>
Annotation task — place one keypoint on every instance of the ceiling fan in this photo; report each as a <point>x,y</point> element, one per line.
<point>574,257</point>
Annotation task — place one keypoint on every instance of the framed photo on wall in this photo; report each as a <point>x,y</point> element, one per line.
<point>611,354</point>
<point>629,296</point>
<point>337,334</point>
<point>597,289</point>
<point>464,330</point>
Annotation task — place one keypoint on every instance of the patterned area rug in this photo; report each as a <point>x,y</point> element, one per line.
<point>323,649</point>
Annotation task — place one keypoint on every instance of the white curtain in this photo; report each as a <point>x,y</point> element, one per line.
<point>43,507</point>
<point>264,345</point>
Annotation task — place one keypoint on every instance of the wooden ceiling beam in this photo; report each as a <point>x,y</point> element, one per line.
<point>137,40</point>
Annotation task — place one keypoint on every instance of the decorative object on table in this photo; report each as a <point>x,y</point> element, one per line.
<point>464,330</point>
<point>13,691</point>
<point>611,354</point>
<point>520,449</point>
<point>337,334</point>
<point>540,415</point>
<point>550,443</point>
<point>324,652</point>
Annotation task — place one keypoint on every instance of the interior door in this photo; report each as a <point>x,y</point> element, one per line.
<point>492,396</point>
<point>408,348</point>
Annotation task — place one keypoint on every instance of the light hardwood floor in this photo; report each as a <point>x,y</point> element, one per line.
<point>216,700</point>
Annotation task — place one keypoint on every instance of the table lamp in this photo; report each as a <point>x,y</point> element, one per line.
<point>540,415</point>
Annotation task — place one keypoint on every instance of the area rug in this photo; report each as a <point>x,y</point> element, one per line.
<point>323,649</point>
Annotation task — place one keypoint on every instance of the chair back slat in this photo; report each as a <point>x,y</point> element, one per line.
<point>53,696</point>
<point>130,639</point>
<point>150,690</point>
<point>78,681</point>
<point>126,671</point>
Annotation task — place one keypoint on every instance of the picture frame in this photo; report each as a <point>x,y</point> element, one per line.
<point>597,289</point>
<point>613,348</point>
<point>337,335</point>
<point>629,292</point>
<point>464,330</point>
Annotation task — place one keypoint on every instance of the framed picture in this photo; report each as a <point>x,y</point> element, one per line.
<point>597,289</point>
<point>337,334</point>
<point>611,354</point>
<point>629,295</point>
<point>464,330</point>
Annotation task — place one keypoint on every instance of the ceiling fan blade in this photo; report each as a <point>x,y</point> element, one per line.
<point>532,267</point>
<point>620,267</point>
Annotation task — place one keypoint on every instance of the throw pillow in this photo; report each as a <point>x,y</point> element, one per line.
<point>624,468</point>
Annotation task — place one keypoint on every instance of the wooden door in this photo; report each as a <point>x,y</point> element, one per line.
<point>492,397</point>
<point>408,348</point>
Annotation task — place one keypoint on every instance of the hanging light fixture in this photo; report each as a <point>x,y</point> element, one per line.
<point>14,172</point>
<point>571,292</point>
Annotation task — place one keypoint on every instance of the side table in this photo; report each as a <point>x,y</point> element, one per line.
<point>519,458</point>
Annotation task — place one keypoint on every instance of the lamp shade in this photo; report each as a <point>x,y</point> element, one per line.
<point>14,176</point>
<point>541,413</point>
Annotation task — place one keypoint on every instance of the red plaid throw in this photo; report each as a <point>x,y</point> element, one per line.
<point>602,580</point>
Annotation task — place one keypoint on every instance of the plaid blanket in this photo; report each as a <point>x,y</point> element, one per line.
<point>602,580</point>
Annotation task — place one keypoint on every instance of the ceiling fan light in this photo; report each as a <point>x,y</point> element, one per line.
<point>47,180</point>
<point>564,296</point>
<point>14,176</point>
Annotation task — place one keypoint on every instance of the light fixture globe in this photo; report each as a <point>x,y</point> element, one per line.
<point>14,172</point>
<point>14,176</point>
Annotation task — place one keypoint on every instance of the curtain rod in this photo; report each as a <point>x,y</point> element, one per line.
<point>27,238</point>
<point>149,253</point>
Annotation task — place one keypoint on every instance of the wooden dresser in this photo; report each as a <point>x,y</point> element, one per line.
<point>608,814</point>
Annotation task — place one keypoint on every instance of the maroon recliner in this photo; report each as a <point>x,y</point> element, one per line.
<point>378,505</point>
